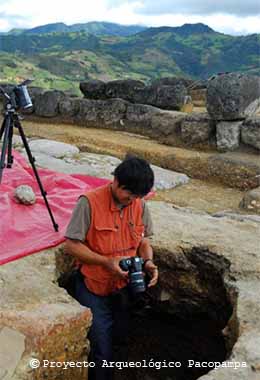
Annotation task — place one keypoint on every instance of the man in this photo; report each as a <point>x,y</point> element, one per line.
<point>108,224</point>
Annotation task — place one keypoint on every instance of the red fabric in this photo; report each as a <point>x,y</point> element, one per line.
<point>28,229</point>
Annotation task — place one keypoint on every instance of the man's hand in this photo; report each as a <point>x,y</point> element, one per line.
<point>112,264</point>
<point>152,270</point>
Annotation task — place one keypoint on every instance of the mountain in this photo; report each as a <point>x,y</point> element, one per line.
<point>63,59</point>
<point>96,28</point>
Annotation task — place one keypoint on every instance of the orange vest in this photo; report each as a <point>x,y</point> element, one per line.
<point>112,232</point>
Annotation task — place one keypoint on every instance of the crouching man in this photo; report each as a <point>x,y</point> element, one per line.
<point>108,224</point>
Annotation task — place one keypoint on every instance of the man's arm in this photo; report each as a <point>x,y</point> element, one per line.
<point>75,237</point>
<point>146,252</point>
<point>81,252</point>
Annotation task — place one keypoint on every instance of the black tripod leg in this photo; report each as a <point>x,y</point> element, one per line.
<point>6,131</point>
<point>10,158</point>
<point>2,129</point>
<point>31,159</point>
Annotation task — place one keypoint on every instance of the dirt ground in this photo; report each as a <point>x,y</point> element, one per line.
<point>197,194</point>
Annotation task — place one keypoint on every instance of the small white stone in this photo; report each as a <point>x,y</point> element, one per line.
<point>25,194</point>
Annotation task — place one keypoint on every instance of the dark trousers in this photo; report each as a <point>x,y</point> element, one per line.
<point>109,331</point>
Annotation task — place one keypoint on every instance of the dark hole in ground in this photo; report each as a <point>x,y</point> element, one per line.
<point>166,338</point>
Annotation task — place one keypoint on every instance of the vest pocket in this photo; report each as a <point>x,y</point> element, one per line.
<point>104,237</point>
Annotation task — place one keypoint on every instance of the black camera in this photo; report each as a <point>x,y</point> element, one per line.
<point>134,266</point>
<point>22,97</point>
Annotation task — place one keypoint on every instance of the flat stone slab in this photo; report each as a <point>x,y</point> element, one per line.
<point>102,166</point>
<point>53,148</point>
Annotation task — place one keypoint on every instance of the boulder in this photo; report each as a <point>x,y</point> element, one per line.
<point>228,135</point>
<point>166,96</point>
<point>124,89</point>
<point>47,103</point>
<point>250,132</point>
<point>251,200</point>
<point>233,96</point>
<point>94,89</point>
<point>197,128</point>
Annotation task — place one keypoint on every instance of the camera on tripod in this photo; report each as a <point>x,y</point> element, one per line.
<point>19,97</point>
<point>134,265</point>
<point>22,97</point>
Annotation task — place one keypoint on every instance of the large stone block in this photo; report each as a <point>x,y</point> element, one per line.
<point>47,103</point>
<point>250,132</point>
<point>233,96</point>
<point>197,128</point>
<point>228,135</point>
<point>167,96</point>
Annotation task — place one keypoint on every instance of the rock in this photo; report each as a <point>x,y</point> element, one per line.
<point>12,347</point>
<point>139,117</point>
<point>167,123</point>
<point>167,179</point>
<point>101,113</point>
<point>69,107</point>
<point>167,97</point>
<point>159,95</point>
<point>197,128</point>
<point>53,325</point>
<point>124,89</point>
<point>53,148</point>
<point>94,89</point>
<point>47,103</point>
<point>251,201</point>
<point>228,135</point>
<point>24,194</point>
<point>112,112</point>
<point>233,96</point>
<point>97,165</point>
<point>250,132</point>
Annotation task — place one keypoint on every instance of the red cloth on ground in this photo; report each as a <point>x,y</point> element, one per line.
<point>28,229</point>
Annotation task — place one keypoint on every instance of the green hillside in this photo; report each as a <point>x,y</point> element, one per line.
<point>63,59</point>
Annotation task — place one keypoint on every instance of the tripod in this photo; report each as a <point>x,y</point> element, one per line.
<point>11,120</point>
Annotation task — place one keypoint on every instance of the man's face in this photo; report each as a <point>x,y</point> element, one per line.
<point>121,195</point>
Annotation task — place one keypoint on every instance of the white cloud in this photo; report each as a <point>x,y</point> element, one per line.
<point>30,13</point>
<point>196,7</point>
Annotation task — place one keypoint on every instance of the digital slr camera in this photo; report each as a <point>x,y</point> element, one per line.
<point>134,265</point>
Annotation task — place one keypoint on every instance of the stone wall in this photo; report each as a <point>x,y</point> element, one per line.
<point>232,120</point>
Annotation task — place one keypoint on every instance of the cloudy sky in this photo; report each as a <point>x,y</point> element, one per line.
<point>227,16</point>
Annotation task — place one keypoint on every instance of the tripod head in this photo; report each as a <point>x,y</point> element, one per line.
<point>18,98</point>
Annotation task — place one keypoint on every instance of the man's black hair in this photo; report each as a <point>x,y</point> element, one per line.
<point>135,174</point>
